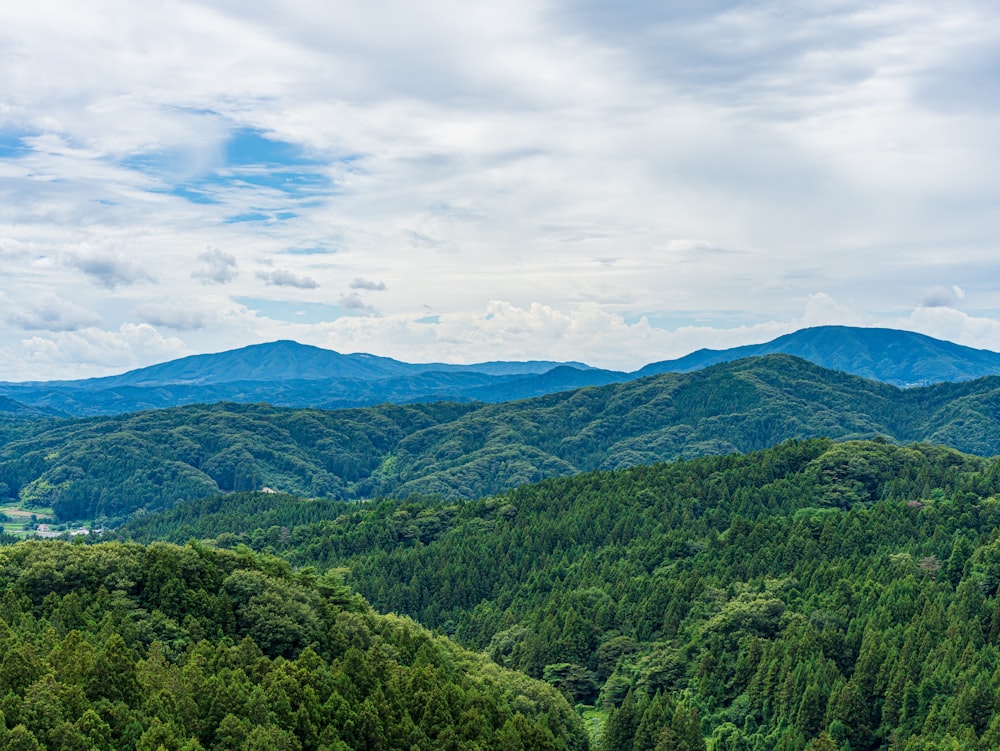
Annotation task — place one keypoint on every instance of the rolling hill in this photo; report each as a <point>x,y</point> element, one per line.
<point>815,595</point>
<point>199,649</point>
<point>109,467</point>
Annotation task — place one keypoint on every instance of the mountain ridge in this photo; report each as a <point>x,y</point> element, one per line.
<point>112,466</point>
<point>290,374</point>
<point>896,356</point>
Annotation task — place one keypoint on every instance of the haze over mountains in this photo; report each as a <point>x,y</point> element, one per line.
<point>286,373</point>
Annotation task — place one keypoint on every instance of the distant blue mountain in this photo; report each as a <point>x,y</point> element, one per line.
<point>11,408</point>
<point>902,358</point>
<point>288,360</point>
<point>289,374</point>
<point>286,373</point>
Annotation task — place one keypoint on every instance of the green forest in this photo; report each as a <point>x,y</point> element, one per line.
<point>671,564</point>
<point>814,593</point>
<point>102,470</point>
<point>166,648</point>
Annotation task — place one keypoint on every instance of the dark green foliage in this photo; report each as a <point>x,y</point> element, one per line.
<point>104,469</point>
<point>812,594</point>
<point>122,647</point>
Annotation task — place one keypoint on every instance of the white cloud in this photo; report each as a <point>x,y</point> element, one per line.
<point>352,301</point>
<point>944,322</point>
<point>721,170</point>
<point>367,284</point>
<point>110,270</point>
<point>173,316</point>
<point>285,278</point>
<point>217,267</point>
<point>52,313</point>
<point>96,350</point>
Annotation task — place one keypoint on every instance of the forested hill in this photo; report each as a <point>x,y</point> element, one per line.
<point>109,467</point>
<point>835,595</point>
<point>902,358</point>
<point>163,648</point>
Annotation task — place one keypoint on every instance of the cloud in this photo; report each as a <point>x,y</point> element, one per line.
<point>97,350</point>
<point>173,317</point>
<point>284,278</point>
<point>534,331</point>
<point>110,270</point>
<point>709,167</point>
<point>942,297</point>
<point>366,284</point>
<point>217,267</point>
<point>982,332</point>
<point>352,301</point>
<point>53,313</point>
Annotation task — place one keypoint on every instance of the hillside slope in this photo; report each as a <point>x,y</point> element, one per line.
<point>844,594</point>
<point>105,468</point>
<point>115,646</point>
<point>902,358</point>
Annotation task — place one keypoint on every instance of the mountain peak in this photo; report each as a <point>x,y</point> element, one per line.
<point>902,358</point>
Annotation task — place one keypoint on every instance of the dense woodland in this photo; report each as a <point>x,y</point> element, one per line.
<point>103,469</point>
<point>819,594</point>
<point>813,593</point>
<point>166,648</point>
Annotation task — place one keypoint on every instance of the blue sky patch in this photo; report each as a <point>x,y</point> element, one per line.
<point>188,193</point>
<point>249,146</point>
<point>294,311</point>
<point>261,216</point>
<point>429,319</point>
<point>249,161</point>
<point>12,143</point>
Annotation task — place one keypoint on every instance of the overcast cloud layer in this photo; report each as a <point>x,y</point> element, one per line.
<point>610,182</point>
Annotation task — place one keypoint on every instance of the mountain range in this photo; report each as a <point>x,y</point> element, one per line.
<point>109,467</point>
<point>286,373</point>
<point>902,358</point>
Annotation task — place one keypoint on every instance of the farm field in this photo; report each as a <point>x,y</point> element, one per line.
<point>22,522</point>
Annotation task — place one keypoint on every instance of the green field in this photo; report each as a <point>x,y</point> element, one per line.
<point>20,520</point>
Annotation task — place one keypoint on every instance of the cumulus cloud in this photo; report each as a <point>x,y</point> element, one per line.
<point>52,313</point>
<point>534,331</point>
<point>132,345</point>
<point>942,297</point>
<point>285,278</point>
<point>352,301</point>
<point>367,284</point>
<point>217,267</point>
<point>173,317</point>
<point>720,170</point>
<point>947,323</point>
<point>110,270</point>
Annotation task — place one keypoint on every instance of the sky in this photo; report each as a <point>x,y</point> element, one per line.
<point>613,182</point>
